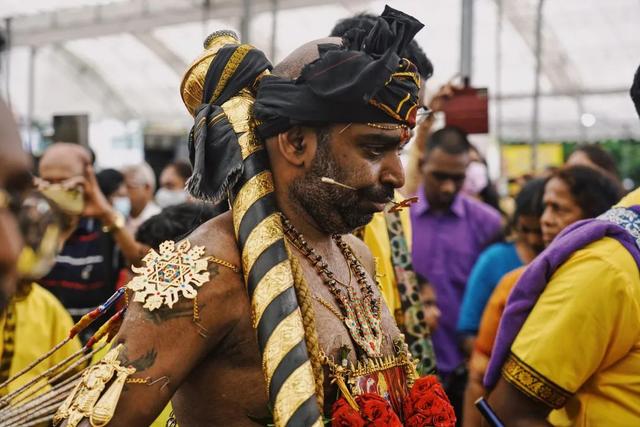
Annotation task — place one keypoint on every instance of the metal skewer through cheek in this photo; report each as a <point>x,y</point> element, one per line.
<point>396,205</point>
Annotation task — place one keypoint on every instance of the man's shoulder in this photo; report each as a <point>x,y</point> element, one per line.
<point>479,210</point>
<point>498,251</point>
<point>603,266</point>
<point>218,238</point>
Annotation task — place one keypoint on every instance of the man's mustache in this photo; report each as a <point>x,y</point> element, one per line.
<point>377,194</point>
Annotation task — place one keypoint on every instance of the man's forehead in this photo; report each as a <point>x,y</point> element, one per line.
<point>383,130</point>
<point>63,160</point>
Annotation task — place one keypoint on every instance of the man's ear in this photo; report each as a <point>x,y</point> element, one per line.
<point>296,146</point>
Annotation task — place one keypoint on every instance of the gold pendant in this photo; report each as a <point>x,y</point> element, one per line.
<point>87,399</point>
<point>177,270</point>
<point>363,326</point>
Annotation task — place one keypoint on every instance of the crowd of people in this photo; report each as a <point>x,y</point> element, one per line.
<point>533,304</point>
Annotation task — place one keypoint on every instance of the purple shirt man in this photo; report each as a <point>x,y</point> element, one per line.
<point>449,232</point>
<point>445,247</point>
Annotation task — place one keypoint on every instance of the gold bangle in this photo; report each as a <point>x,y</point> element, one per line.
<point>118,223</point>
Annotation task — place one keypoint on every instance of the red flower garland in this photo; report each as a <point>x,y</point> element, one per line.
<point>375,411</point>
<point>426,405</point>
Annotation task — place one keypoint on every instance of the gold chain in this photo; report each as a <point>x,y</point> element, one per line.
<point>329,307</point>
<point>224,263</point>
<point>386,126</point>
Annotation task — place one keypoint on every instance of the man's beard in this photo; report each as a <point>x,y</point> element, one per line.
<point>335,210</point>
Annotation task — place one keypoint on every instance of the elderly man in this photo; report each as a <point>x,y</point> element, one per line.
<point>141,184</point>
<point>330,121</point>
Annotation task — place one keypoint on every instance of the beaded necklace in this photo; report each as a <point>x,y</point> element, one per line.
<point>361,315</point>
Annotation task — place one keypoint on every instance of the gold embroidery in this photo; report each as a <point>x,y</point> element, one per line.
<point>272,284</point>
<point>253,190</point>
<point>177,269</point>
<point>266,233</point>
<point>87,399</point>
<point>230,68</point>
<point>294,392</point>
<point>191,87</point>
<point>406,98</point>
<point>533,384</point>
<point>249,144</point>
<point>284,337</point>
<point>238,111</point>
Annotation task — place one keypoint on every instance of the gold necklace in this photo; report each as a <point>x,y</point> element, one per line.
<point>361,315</point>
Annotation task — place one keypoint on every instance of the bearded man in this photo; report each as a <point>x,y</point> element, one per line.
<point>304,156</point>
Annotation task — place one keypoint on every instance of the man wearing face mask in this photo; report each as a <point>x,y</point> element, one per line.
<point>112,185</point>
<point>87,268</point>
<point>141,184</point>
<point>172,184</point>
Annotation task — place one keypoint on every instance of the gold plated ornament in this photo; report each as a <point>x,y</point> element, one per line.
<point>178,269</point>
<point>89,399</point>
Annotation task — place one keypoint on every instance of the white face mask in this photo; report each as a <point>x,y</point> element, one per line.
<point>166,197</point>
<point>122,204</point>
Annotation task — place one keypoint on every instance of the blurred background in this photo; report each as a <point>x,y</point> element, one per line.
<point>106,73</point>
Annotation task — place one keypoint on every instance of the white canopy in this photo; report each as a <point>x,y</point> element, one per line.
<point>124,60</point>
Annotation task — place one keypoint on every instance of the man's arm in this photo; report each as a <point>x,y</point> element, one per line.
<point>97,206</point>
<point>515,408</point>
<point>166,344</point>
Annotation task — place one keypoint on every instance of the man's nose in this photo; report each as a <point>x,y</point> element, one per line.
<point>448,186</point>
<point>392,171</point>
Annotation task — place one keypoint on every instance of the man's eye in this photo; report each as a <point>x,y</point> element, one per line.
<point>375,151</point>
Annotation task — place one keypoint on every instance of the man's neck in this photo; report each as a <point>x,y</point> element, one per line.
<point>304,224</point>
<point>438,208</point>
<point>135,213</point>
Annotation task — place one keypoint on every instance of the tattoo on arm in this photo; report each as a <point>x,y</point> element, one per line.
<point>141,363</point>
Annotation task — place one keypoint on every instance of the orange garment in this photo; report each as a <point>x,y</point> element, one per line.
<point>490,322</point>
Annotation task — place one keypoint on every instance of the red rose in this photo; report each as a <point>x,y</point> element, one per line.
<point>377,411</point>
<point>418,420</point>
<point>343,415</point>
<point>374,412</point>
<point>428,404</point>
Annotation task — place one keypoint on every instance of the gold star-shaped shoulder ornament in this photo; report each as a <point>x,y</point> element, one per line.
<point>177,269</point>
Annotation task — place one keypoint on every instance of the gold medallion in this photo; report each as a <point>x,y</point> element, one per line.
<point>177,269</point>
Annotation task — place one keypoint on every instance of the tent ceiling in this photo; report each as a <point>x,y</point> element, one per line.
<point>124,59</point>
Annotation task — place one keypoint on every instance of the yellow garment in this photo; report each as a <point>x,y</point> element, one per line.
<point>631,199</point>
<point>41,322</point>
<point>579,349</point>
<point>376,237</point>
